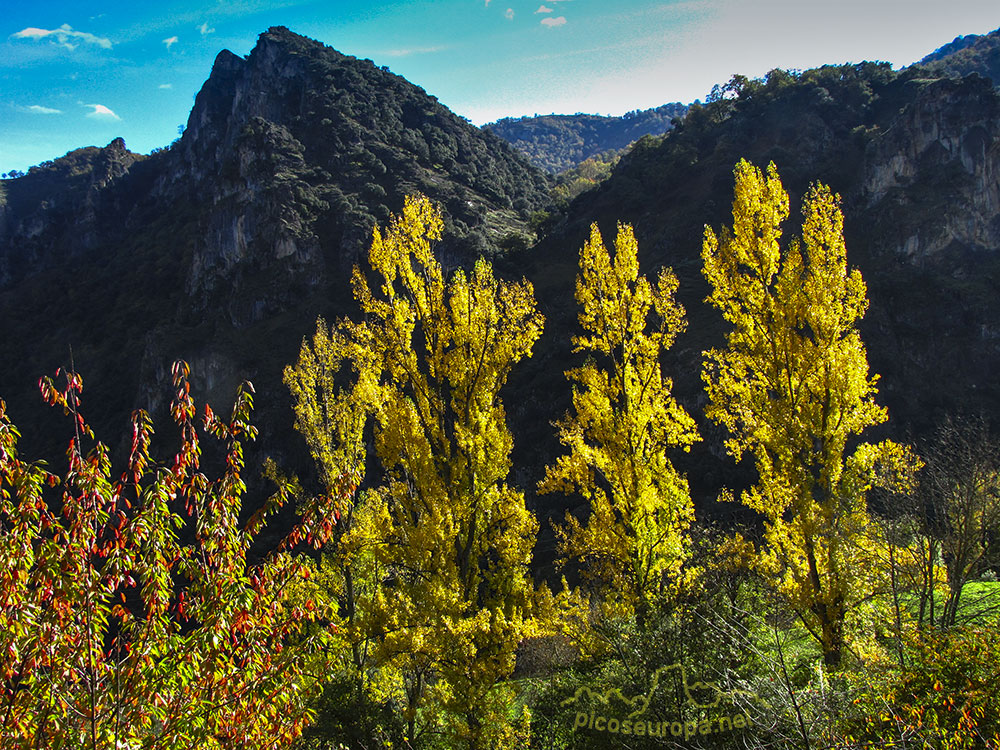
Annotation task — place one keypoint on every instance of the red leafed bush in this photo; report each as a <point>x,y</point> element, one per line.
<point>129,616</point>
<point>945,696</point>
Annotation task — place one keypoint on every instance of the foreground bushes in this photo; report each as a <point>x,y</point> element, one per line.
<point>129,615</point>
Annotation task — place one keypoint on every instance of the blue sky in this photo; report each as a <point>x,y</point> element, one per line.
<point>76,73</point>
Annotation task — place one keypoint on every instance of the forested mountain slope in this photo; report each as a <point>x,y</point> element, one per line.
<point>915,160</point>
<point>556,143</point>
<point>225,247</point>
<point>972,53</point>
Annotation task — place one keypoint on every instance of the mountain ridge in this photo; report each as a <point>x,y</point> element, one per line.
<point>224,248</point>
<point>556,143</point>
<point>972,53</point>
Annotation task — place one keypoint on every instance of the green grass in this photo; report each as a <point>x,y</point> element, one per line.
<point>980,603</point>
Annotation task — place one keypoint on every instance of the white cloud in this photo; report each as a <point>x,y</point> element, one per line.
<point>205,29</point>
<point>65,35</point>
<point>170,41</point>
<point>557,21</point>
<point>101,112</point>
<point>166,86</point>
<point>543,9</point>
<point>509,15</point>
<point>38,109</point>
<point>487,3</point>
<point>407,51</point>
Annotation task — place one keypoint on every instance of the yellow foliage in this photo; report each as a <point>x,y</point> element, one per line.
<point>734,554</point>
<point>793,388</point>
<point>625,422</point>
<point>440,550</point>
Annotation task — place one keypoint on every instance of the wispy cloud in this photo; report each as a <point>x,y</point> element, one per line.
<point>557,21</point>
<point>166,86</point>
<point>205,29</point>
<point>65,36</point>
<point>407,51</point>
<point>170,41</point>
<point>100,112</point>
<point>543,9</point>
<point>509,14</point>
<point>38,109</point>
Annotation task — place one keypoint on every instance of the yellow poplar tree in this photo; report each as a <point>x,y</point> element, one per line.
<point>447,539</point>
<point>625,421</point>
<point>332,416</point>
<point>793,388</point>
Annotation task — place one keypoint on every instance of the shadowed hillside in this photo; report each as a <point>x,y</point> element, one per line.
<point>224,247</point>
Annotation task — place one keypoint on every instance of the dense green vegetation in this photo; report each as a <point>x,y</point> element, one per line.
<point>586,175</point>
<point>968,54</point>
<point>556,143</point>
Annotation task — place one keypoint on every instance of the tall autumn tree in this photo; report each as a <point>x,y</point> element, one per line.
<point>624,424</point>
<point>446,541</point>
<point>793,388</point>
<point>332,419</point>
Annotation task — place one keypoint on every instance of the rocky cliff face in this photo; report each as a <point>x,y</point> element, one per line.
<point>57,209</point>
<point>939,161</point>
<point>250,170</point>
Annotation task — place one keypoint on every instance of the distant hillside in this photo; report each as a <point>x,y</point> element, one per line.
<point>972,53</point>
<point>559,142</point>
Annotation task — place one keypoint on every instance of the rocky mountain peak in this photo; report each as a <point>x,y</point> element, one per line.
<point>300,150</point>
<point>53,212</point>
<point>224,248</point>
<point>239,89</point>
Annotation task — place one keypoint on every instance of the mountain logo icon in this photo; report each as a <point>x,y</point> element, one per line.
<point>640,703</point>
